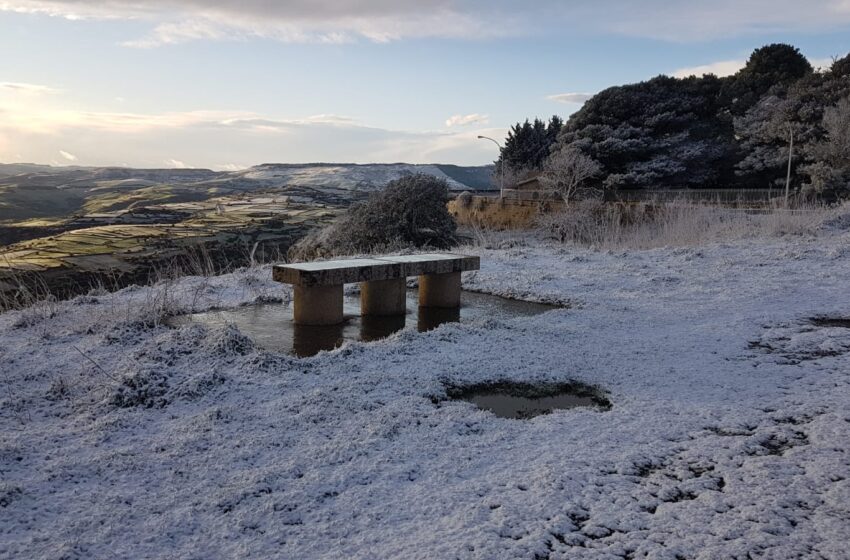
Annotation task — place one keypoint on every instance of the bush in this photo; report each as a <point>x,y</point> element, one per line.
<point>409,212</point>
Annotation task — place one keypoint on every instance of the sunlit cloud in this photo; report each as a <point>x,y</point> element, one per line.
<point>199,138</point>
<point>725,68</point>
<point>29,89</point>
<point>720,68</point>
<point>467,120</point>
<point>570,97</point>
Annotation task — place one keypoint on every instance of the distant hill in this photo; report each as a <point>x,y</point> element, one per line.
<point>365,176</point>
<point>29,191</point>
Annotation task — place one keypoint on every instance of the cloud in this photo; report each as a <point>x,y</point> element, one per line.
<point>821,63</point>
<point>570,97</point>
<point>466,120</point>
<point>333,21</point>
<point>32,89</point>
<point>292,21</point>
<point>68,156</point>
<point>209,138</point>
<point>721,68</point>
<point>228,167</point>
<point>729,67</point>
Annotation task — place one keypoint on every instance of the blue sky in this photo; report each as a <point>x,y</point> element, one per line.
<point>227,84</point>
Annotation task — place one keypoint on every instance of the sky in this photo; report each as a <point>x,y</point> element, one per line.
<point>226,84</point>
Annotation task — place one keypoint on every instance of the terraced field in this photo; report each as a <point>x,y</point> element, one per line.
<point>67,229</point>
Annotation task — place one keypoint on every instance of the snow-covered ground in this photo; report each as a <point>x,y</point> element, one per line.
<point>729,435</point>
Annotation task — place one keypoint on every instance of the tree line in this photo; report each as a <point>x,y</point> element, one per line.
<point>706,131</point>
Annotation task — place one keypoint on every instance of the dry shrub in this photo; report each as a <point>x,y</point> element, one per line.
<point>644,226</point>
<point>464,199</point>
<point>409,212</point>
<point>481,203</point>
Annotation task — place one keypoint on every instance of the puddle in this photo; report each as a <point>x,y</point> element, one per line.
<point>270,326</point>
<point>523,400</point>
<point>839,322</point>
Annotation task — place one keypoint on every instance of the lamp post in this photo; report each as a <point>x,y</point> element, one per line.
<point>502,182</point>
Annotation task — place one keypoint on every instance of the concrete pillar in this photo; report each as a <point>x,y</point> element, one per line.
<point>383,297</point>
<point>318,305</point>
<point>439,290</point>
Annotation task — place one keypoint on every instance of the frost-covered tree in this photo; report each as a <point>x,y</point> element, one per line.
<point>568,172</point>
<point>806,108</point>
<point>660,133</point>
<point>829,174</point>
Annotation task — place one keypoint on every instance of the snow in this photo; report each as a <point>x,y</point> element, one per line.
<point>728,436</point>
<point>344,176</point>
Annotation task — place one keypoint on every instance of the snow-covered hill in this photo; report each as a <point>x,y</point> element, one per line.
<point>352,176</point>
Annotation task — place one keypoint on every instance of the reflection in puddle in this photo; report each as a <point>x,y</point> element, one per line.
<point>831,322</point>
<point>523,400</point>
<point>270,326</point>
<point>430,318</point>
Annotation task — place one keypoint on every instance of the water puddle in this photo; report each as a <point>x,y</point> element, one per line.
<point>523,400</point>
<point>831,322</point>
<point>270,326</point>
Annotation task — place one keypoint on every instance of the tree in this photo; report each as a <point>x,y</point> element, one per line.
<point>840,67</point>
<point>664,132</point>
<point>802,107</point>
<point>528,144</point>
<point>829,174</point>
<point>568,171</point>
<point>769,66</point>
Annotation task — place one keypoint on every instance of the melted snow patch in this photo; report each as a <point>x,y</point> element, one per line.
<point>523,401</point>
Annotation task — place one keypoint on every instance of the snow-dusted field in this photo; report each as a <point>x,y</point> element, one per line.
<point>729,435</point>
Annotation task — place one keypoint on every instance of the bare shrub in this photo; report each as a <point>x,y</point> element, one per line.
<point>409,212</point>
<point>568,172</point>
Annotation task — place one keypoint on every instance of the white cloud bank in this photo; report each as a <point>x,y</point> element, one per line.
<point>335,21</point>
<point>222,139</point>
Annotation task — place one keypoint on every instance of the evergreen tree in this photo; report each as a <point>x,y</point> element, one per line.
<point>528,144</point>
<point>769,66</point>
<point>660,133</point>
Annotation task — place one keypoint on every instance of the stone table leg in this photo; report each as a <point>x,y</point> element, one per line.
<point>439,290</point>
<point>318,305</point>
<point>384,297</point>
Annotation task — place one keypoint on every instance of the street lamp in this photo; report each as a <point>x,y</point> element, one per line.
<point>502,183</point>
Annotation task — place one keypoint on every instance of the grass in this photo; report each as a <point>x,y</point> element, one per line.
<point>676,224</point>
